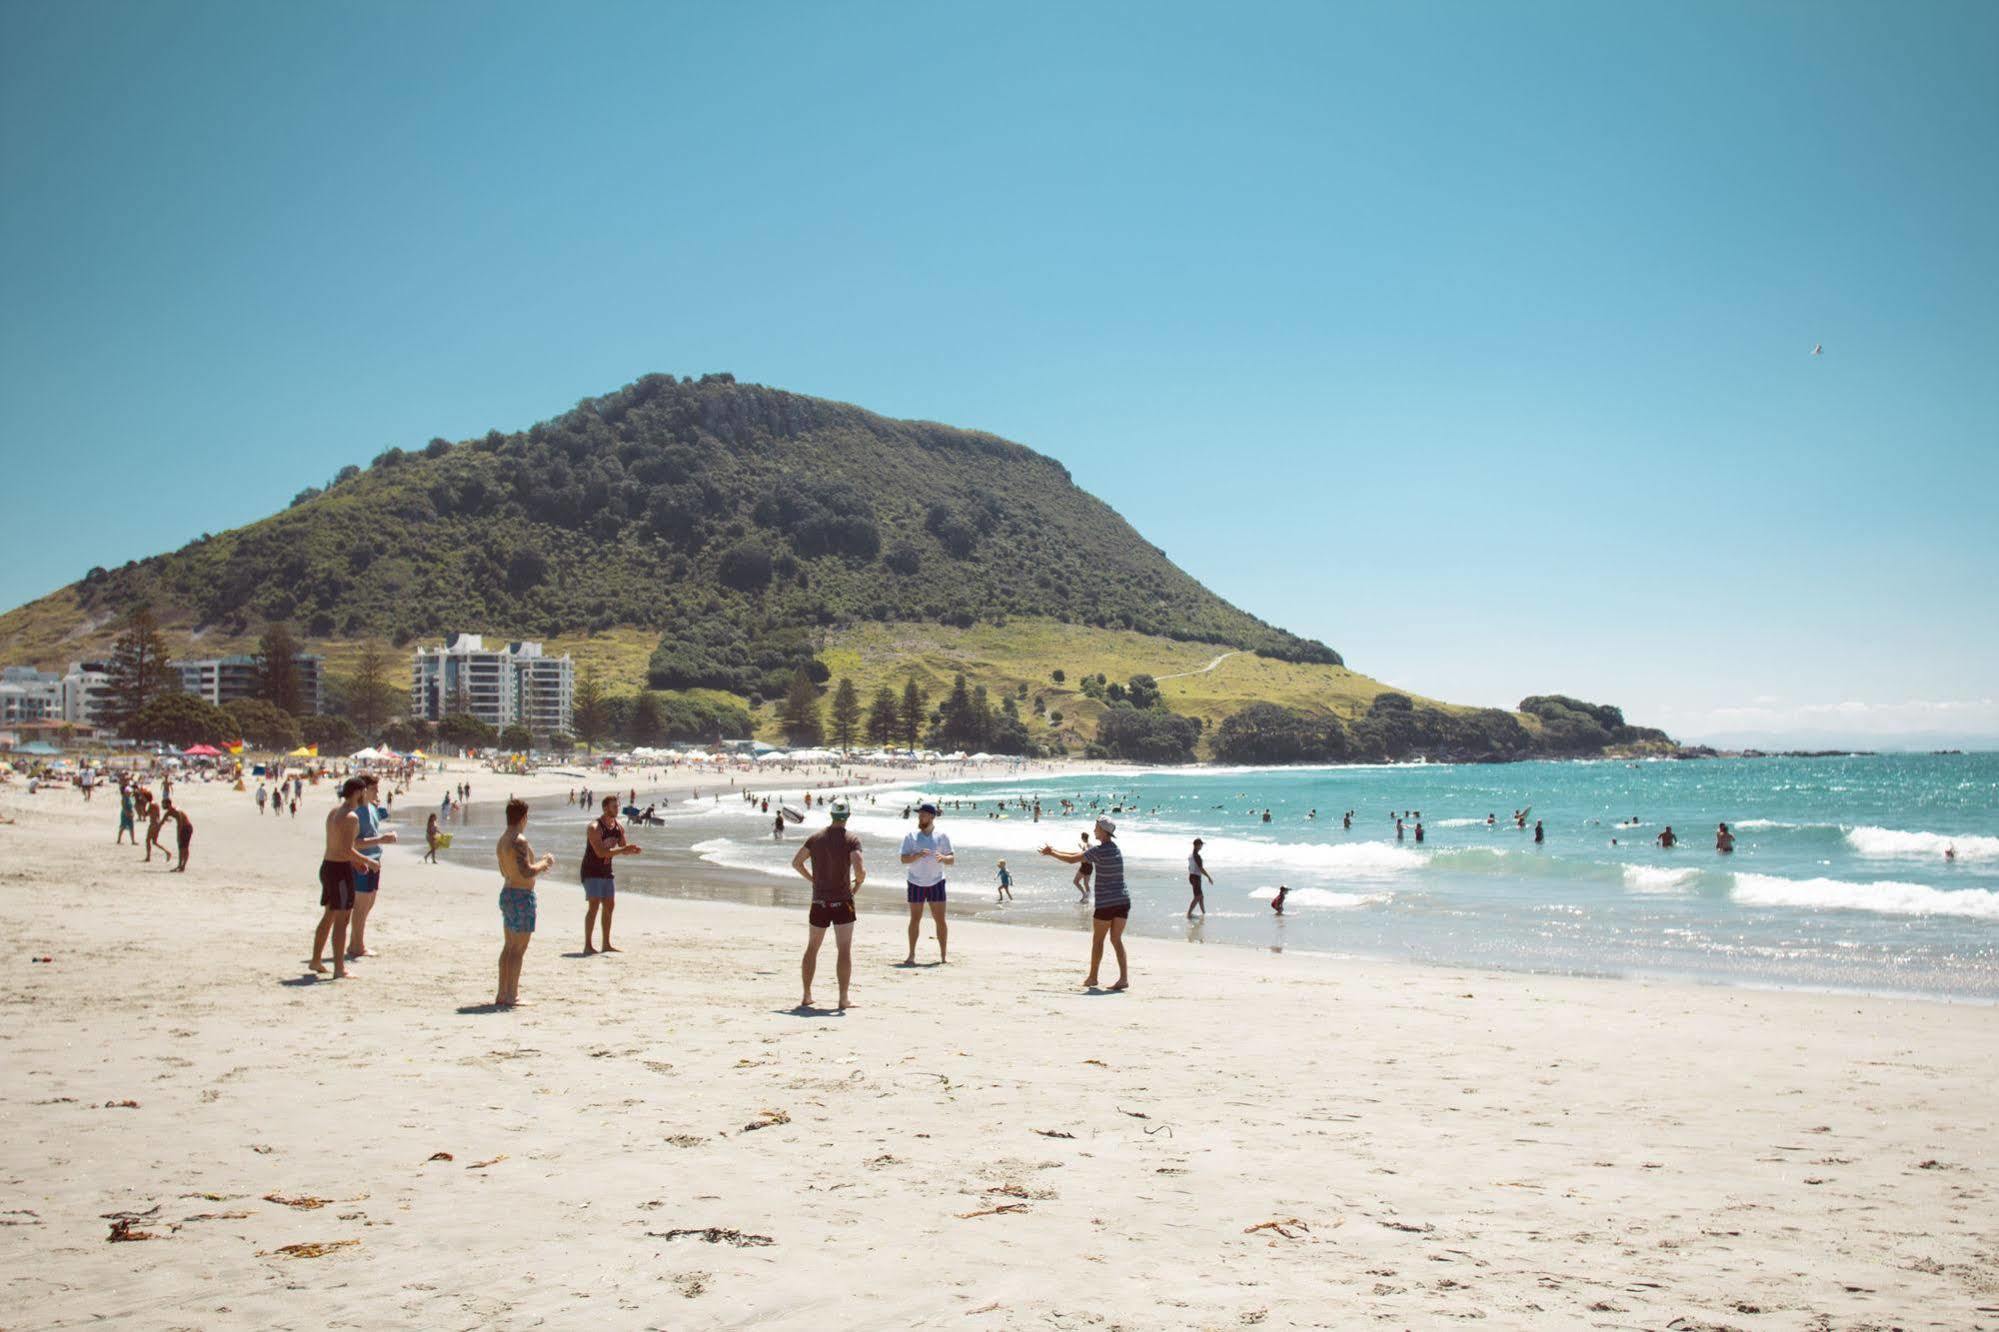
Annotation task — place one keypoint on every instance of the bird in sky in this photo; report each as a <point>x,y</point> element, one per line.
<point>1818,349</point>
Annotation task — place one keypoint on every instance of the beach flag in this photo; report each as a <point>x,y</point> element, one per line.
<point>312,750</point>
<point>236,748</point>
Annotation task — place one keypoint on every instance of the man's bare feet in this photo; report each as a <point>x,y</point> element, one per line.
<point>340,973</point>
<point>588,951</point>
<point>355,954</point>
<point>1090,982</point>
<point>843,1005</point>
<point>1122,984</point>
<point>318,966</point>
<point>607,948</point>
<point>909,961</point>
<point>806,1002</point>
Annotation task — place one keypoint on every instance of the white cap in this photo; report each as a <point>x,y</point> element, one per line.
<point>1104,822</point>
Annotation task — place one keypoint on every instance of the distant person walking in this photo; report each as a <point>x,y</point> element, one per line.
<point>431,837</point>
<point>126,827</point>
<point>830,860</point>
<point>1113,902</point>
<point>1005,885</point>
<point>604,843</point>
<point>155,820</point>
<point>1197,870</point>
<point>519,868</point>
<point>926,854</point>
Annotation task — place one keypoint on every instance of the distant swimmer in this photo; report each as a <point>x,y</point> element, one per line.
<point>1539,834</point>
<point>1666,838</point>
<point>1419,832</point>
<point>1346,821</point>
<point>1277,902</point>
<point>1488,820</point>
<point>1197,870</point>
<point>1724,840</point>
<point>1398,830</point>
<point>1266,816</point>
<point>1950,852</point>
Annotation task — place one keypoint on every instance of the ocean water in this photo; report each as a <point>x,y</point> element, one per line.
<point>1838,881</point>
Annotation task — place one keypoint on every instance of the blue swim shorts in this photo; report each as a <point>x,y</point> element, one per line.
<point>933,893</point>
<point>517,910</point>
<point>598,890</point>
<point>365,882</point>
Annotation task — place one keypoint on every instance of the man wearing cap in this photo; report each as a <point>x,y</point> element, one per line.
<point>830,860</point>
<point>926,852</point>
<point>1113,901</point>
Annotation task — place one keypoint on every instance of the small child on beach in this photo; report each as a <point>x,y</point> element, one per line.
<point>1277,902</point>
<point>1005,885</point>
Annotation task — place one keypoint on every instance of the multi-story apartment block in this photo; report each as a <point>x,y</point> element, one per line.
<point>501,686</point>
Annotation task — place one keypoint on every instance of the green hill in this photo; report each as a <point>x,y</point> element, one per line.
<point>683,534</point>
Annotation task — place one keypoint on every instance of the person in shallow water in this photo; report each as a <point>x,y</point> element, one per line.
<point>1277,902</point>
<point>1540,835</point>
<point>1724,840</point>
<point>1666,838</point>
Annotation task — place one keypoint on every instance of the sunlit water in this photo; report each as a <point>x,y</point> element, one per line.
<point>1839,878</point>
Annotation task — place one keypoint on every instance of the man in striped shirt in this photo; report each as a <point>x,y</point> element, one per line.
<point>1113,903</point>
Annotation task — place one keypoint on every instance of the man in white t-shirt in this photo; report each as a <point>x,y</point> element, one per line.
<point>925,853</point>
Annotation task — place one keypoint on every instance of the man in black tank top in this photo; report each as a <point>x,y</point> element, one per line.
<point>605,843</point>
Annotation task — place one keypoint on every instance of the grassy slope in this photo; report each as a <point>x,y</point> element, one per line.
<point>1001,657</point>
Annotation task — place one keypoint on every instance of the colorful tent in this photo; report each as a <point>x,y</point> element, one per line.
<point>202,751</point>
<point>304,751</point>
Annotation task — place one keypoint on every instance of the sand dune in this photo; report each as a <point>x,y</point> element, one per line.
<point>1244,1139</point>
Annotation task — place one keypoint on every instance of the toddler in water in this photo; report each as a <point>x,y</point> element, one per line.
<point>1005,885</point>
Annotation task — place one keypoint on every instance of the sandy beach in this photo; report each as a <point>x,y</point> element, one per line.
<point>1245,1138</point>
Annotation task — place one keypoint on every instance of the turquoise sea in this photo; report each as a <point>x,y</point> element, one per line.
<point>1839,878</point>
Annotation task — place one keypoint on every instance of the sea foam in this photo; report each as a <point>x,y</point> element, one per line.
<point>1885,896</point>
<point>1885,843</point>
<point>1657,879</point>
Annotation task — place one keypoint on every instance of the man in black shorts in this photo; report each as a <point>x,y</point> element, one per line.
<point>336,876</point>
<point>830,860</point>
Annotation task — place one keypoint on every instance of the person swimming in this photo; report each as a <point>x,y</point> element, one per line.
<point>1724,840</point>
<point>1666,838</point>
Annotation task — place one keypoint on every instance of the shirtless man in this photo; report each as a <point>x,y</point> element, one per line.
<point>337,868</point>
<point>830,860</point>
<point>183,831</point>
<point>1724,840</point>
<point>156,818</point>
<point>1666,838</point>
<point>518,869</point>
<point>605,843</point>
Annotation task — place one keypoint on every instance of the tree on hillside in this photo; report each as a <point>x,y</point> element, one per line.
<point>371,694</point>
<point>277,670</point>
<point>1143,691</point>
<point>648,723</point>
<point>798,714</point>
<point>180,720</point>
<point>262,724</point>
<point>587,714</point>
<point>884,718</point>
<point>846,714</point>
<point>139,672</point>
<point>914,705</point>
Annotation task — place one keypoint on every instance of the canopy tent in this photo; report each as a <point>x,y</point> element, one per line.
<point>304,751</point>
<point>38,748</point>
<point>368,755</point>
<point>202,751</point>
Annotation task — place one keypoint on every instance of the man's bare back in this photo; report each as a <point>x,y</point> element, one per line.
<point>343,825</point>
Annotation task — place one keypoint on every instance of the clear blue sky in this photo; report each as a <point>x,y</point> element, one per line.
<point>1471,338</point>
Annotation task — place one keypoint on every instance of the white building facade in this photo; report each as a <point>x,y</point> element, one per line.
<point>222,680</point>
<point>27,695</point>
<point>501,686</point>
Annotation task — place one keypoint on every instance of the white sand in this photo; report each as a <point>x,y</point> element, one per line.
<point>1443,1144</point>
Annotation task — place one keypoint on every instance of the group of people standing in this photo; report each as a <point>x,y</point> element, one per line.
<point>135,802</point>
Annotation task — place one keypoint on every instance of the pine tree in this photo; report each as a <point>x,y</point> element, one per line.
<point>648,724</point>
<point>914,704</point>
<point>587,712</point>
<point>884,718</point>
<point>277,670</point>
<point>798,714</point>
<point>846,714</point>
<point>139,671</point>
<point>371,692</point>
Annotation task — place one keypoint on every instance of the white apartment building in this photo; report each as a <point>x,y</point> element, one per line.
<point>27,695</point>
<point>500,686</point>
<point>86,688</point>
<point>224,679</point>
